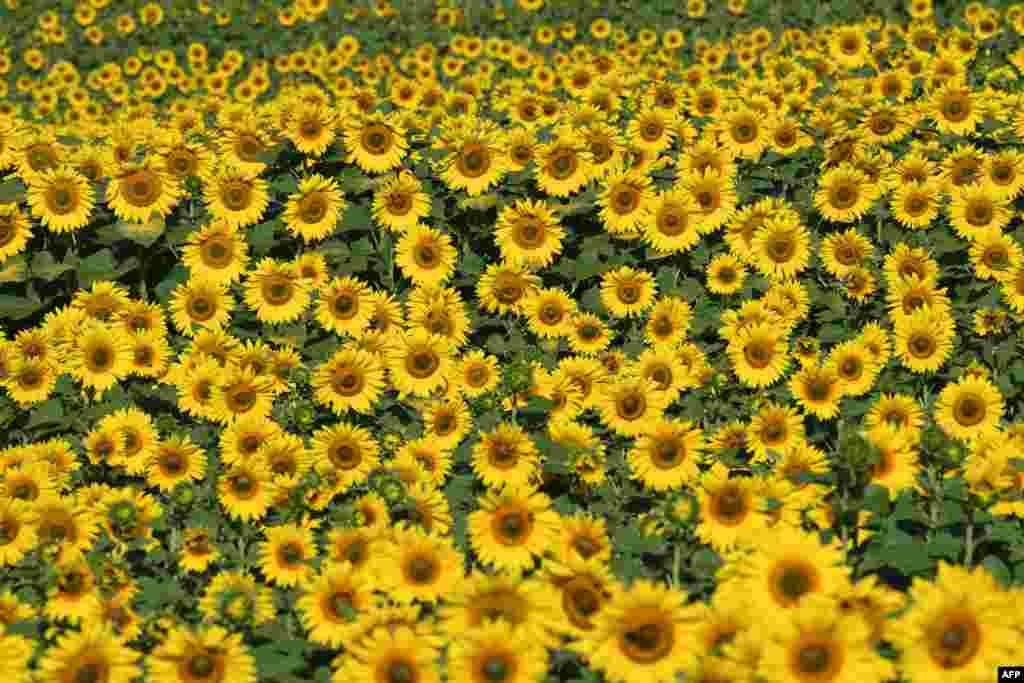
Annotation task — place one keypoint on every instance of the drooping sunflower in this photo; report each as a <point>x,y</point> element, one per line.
<point>818,391</point>
<point>960,626</point>
<point>236,197</point>
<point>100,357</point>
<point>844,194</point>
<point>506,455</point>
<point>640,635</point>
<point>61,198</point>
<point>138,190</point>
<point>351,379</point>
<point>400,203</point>
<point>666,454</point>
<point>218,251</point>
<point>630,405</point>
<point>626,291</point>
<point>286,554</point>
<point>817,640</point>
<point>968,408</point>
<point>528,232</point>
<point>426,256</point>
<point>312,212</point>
<point>759,354</point>
<point>276,292</point>
<point>563,166</point>
<point>624,199</point>
<point>924,339</point>
<point>202,654</point>
<point>331,602</point>
<point>671,224</point>
<point>375,142</point>
<point>417,565</point>
<point>93,653</point>
<point>514,525</point>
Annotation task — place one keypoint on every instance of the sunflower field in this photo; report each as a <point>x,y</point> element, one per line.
<point>518,341</point>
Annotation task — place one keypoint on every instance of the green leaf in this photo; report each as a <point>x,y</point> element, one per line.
<point>98,266</point>
<point>998,569</point>
<point>261,237</point>
<point>178,274</point>
<point>278,657</point>
<point>11,191</point>
<point>945,545</point>
<point>47,412</point>
<point>629,539</point>
<point>18,307</point>
<point>362,247</point>
<point>44,266</point>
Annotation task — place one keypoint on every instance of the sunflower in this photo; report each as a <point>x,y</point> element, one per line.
<point>506,455</point>
<point>175,459</point>
<point>845,250</point>
<point>653,129</point>
<point>976,208</point>
<point>61,198</point>
<point>388,654</point>
<point>476,159</point>
<point>630,405</point>
<point>666,454</point>
<point>235,598</point>
<point>627,292</point>
<point>743,132</point>
<point>726,274</point>
<point>640,635</point>
<point>505,288</point>
<point>241,393</point>
<point>350,380</point>
<point>246,491</point>
<point>528,604</point>
<point>416,565</point>
<point>969,408</point>
<point>624,199</point>
<point>64,527</point>
<point>426,255</point>
<point>345,306</point>
<point>994,254</point>
<point>960,625</point>
<point>896,466</point>
<point>286,555</point>
<point>276,292</point>
<point>818,391</point>
<point>781,248</point>
<point>346,452</point>
<point>564,165</point>
<point>1004,172</point>
<point>844,194</point>
<point>899,410</point>
<point>549,312</point>
<point>447,422</point>
<point>74,594</point>
<point>138,190</point>
<point>400,203</point>
<point>93,653</point>
<point>30,380</point>
<point>816,640</point>
<point>375,142</point>
<point>196,552</point>
<point>513,526</point>
<point>495,651</point>
<point>100,357</point>
<point>15,230</point>
<point>19,533</point>
<point>479,373</point>
<point>434,459</point>
<point>236,197</point>
<point>206,653</point>
<point>924,340</point>
<point>857,372</point>
<point>955,108</point>
<point>312,212</point>
<point>217,251</point>
<point>419,363</point>
<point>528,233</point>
<point>671,222</point>
<point>715,196</point>
<point>201,301</point>
<point>439,311</point>
<point>312,127</point>
<point>759,354</point>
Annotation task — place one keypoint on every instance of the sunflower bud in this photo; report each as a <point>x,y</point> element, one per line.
<point>184,496</point>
